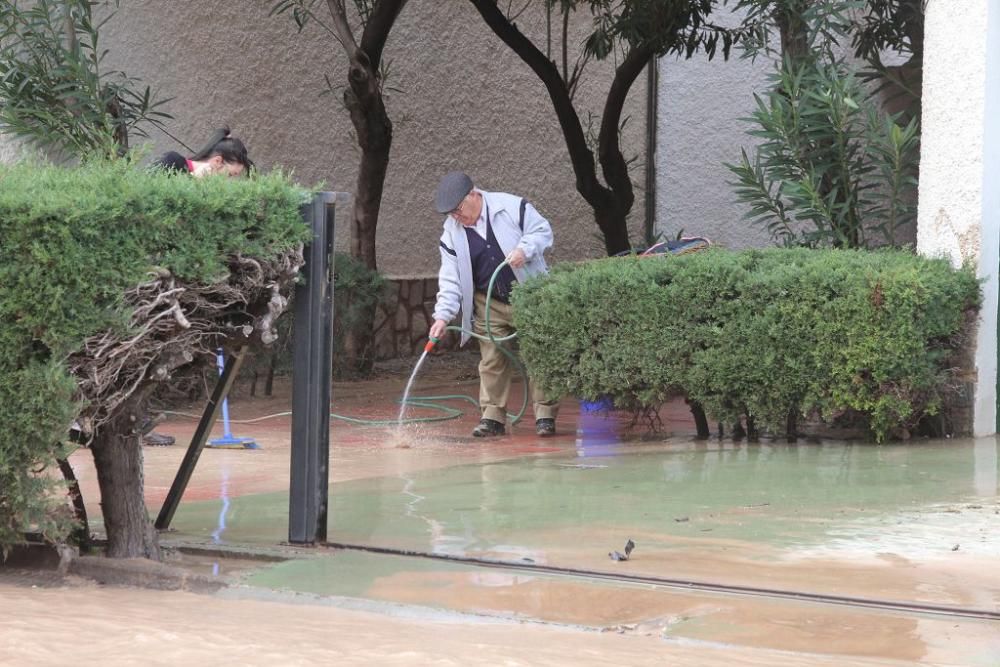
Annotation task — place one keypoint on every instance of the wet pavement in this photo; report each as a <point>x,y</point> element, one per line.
<point>915,523</point>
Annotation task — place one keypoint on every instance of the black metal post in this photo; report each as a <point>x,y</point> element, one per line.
<point>311,379</point>
<point>201,434</point>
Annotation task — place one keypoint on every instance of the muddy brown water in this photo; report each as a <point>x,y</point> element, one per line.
<point>912,522</point>
<point>91,625</point>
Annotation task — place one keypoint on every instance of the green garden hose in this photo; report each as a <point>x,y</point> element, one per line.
<point>451,413</point>
<point>431,402</point>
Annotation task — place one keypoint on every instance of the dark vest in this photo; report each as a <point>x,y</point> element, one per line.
<point>486,256</point>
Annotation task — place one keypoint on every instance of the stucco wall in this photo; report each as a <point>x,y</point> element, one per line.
<point>951,183</point>
<point>699,129</point>
<point>467,102</point>
<point>701,126</point>
<point>959,205</point>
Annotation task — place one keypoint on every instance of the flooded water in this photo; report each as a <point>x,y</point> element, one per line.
<point>86,624</point>
<point>917,502</point>
<point>914,522</point>
<point>917,522</point>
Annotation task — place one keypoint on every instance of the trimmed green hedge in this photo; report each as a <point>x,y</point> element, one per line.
<point>72,242</point>
<point>761,333</point>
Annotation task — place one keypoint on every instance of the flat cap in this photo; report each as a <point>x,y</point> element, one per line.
<point>451,191</point>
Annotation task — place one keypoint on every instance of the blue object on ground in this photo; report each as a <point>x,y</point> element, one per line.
<point>228,440</point>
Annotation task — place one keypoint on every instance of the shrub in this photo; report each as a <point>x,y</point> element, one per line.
<point>769,334</point>
<point>80,249</point>
<point>357,291</point>
<point>55,88</point>
<point>832,169</point>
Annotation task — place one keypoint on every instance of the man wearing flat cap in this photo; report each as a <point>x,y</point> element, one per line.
<point>481,231</point>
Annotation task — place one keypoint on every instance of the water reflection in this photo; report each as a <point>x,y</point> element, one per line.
<point>985,453</point>
<point>220,527</point>
<point>598,432</point>
<point>782,494</point>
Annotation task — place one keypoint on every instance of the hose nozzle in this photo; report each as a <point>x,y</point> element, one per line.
<point>431,342</point>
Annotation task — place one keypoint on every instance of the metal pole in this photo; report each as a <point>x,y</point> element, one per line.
<point>652,114</point>
<point>311,379</point>
<point>201,434</point>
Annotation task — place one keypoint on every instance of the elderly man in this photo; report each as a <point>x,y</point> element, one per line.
<point>481,231</point>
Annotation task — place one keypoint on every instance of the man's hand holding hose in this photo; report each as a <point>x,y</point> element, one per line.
<point>437,329</point>
<point>516,259</point>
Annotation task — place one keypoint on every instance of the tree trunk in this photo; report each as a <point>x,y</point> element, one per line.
<point>700,420</point>
<point>117,451</point>
<point>792,426</point>
<point>81,535</point>
<point>271,368</point>
<point>374,129</point>
<point>612,202</point>
<point>611,221</point>
<point>793,32</point>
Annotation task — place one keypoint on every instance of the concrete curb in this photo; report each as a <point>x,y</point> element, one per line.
<point>139,572</point>
<point>143,574</point>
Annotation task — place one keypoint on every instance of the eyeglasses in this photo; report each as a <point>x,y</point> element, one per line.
<point>458,209</point>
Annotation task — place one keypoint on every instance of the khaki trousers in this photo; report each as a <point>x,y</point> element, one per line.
<point>496,371</point>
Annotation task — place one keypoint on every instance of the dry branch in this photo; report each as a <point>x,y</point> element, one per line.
<point>174,324</point>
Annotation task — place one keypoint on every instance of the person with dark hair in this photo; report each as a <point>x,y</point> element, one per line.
<point>223,154</point>
<point>484,231</point>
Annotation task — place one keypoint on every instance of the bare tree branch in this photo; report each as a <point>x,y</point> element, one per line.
<point>576,142</point>
<point>376,32</point>
<point>341,26</point>
<point>609,153</point>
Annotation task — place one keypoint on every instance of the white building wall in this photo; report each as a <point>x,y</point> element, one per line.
<point>959,205</point>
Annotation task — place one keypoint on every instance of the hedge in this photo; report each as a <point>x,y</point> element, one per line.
<point>769,334</point>
<point>72,242</point>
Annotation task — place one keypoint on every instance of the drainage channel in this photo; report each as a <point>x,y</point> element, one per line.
<point>703,586</point>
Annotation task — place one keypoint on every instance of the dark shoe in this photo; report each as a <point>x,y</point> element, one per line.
<point>158,440</point>
<point>545,427</point>
<point>488,428</point>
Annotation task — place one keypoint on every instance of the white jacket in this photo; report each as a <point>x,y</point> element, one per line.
<point>455,280</point>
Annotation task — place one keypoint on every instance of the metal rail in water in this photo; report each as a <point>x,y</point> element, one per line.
<point>688,585</point>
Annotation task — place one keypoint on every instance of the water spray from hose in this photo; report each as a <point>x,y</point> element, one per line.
<point>429,401</point>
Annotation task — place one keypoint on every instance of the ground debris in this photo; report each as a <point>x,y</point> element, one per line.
<point>621,628</point>
<point>618,556</point>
